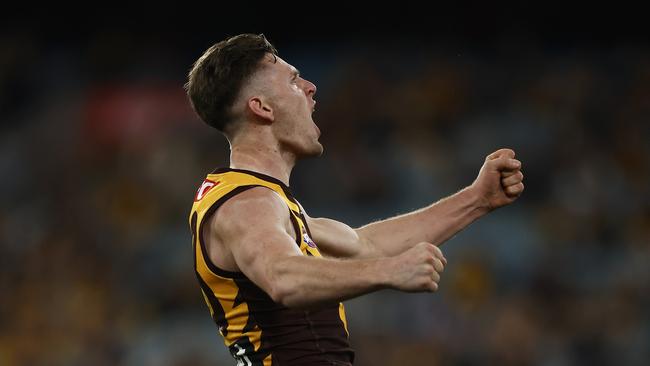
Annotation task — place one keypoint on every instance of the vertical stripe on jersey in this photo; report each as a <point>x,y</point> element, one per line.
<point>216,311</point>
<point>221,294</point>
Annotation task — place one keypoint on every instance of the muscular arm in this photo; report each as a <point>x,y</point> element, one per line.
<point>498,183</point>
<point>435,224</point>
<point>254,226</point>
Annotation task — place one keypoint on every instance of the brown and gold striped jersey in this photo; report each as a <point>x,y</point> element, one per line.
<point>256,330</point>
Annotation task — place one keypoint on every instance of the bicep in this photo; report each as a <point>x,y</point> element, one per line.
<point>254,228</point>
<point>337,239</point>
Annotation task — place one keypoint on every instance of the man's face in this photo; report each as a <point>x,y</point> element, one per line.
<point>292,100</point>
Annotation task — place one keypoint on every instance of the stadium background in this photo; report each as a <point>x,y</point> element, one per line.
<point>100,155</point>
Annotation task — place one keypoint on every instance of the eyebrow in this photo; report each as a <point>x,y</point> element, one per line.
<point>295,72</point>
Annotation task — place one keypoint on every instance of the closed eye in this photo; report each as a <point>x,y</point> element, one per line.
<point>294,75</point>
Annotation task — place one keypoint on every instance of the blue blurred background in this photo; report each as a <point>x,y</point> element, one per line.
<point>100,155</point>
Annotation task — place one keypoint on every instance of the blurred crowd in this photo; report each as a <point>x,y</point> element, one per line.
<point>101,154</point>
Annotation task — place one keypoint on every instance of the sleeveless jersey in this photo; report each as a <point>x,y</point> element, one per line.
<point>256,330</point>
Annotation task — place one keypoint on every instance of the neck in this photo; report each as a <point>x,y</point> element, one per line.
<point>261,158</point>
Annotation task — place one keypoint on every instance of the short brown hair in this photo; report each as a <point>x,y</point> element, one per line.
<point>217,76</point>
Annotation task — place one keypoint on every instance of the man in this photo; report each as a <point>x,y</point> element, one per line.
<point>272,276</point>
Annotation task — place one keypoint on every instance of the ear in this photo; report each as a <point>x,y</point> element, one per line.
<point>261,109</point>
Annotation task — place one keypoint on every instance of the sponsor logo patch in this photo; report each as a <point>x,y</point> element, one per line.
<point>308,240</point>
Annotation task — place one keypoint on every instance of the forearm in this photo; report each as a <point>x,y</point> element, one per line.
<point>434,224</point>
<point>301,281</point>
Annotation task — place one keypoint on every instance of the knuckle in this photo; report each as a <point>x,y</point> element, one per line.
<point>438,252</point>
<point>441,266</point>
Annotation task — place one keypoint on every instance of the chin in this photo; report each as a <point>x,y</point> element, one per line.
<point>313,151</point>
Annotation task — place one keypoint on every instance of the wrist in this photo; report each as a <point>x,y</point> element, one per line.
<point>477,201</point>
<point>382,271</point>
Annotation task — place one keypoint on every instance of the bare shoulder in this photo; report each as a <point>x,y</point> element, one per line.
<point>255,209</point>
<point>248,224</point>
<point>249,231</point>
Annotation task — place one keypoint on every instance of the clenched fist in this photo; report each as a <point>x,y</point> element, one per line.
<point>499,181</point>
<point>418,269</point>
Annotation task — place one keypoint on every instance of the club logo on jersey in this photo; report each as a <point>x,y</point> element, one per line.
<point>308,240</point>
<point>205,187</point>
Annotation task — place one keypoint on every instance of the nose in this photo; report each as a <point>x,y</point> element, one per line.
<point>309,88</point>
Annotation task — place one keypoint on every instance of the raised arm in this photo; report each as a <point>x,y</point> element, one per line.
<point>254,227</point>
<point>499,183</point>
